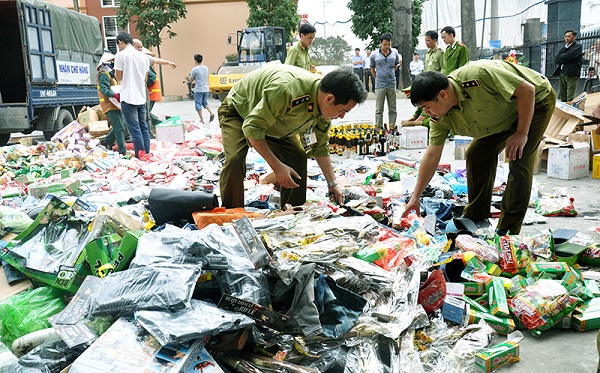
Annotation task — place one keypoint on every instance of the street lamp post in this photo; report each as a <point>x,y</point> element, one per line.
<point>325,3</point>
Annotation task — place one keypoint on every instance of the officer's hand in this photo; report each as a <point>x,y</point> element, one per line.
<point>284,176</point>
<point>412,205</point>
<point>514,146</point>
<point>337,194</point>
<point>117,97</point>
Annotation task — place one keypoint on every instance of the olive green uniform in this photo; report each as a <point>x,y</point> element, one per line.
<point>435,59</point>
<point>114,115</point>
<point>276,104</point>
<point>488,112</point>
<point>457,55</point>
<point>298,55</point>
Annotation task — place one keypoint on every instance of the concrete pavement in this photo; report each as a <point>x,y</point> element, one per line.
<point>556,350</point>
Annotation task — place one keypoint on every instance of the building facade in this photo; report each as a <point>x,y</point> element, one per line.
<point>205,29</point>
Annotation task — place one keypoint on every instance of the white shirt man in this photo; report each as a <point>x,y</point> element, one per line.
<point>131,68</point>
<point>416,66</point>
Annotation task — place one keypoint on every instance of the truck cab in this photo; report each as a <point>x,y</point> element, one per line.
<point>255,47</point>
<point>47,66</point>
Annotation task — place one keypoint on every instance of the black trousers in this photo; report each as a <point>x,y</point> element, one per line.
<point>369,78</point>
<point>235,145</point>
<point>482,160</point>
<point>361,73</point>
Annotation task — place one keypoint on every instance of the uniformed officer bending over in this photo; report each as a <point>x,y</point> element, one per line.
<point>268,109</point>
<point>499,104</point>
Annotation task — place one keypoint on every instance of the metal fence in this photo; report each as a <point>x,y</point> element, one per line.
<point>541,56</point>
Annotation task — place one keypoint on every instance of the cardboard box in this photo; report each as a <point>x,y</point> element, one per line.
<point>565,119</point>
<point>595,142</point>
<point>461,144</point>
<point>413,137</point>
<point>498,355</point>
<point>579,101</point>
<point>592,101</point>
<point>596,166</point>
<point>175,133</point>
<point>581,136</point>
<point>99,128</point>
<point>126,347</point>
<point>87,115</point>
<point>569,162</point>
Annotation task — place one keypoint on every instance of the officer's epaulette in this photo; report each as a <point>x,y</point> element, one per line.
<point>461,44</point>
<point>470,83</point>
<point>299,100</point>
<point>432,119</point>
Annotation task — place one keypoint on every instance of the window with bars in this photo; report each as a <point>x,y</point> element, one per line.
<point>42,60</point>
<point>111,30</point>
<point>110,3</point>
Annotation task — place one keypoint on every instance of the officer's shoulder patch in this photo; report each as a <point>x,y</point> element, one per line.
<point>299,100</point>
<point>470,83</point>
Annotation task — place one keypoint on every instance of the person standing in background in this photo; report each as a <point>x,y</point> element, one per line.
<point>104,83</point>
<point>569,60</point>
<point>369,78</point>
<point>153,83</point>
<point>384,62</point>
<point>434,57</point>
<point>416,67</point>
<point>298,54</point>
<point>358,64</point>
<point>131,69</point>
<point>199,75</point>
<point>593,55</point>
<point>456,54</point>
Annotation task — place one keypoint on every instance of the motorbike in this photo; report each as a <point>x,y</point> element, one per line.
<point>190,87</point>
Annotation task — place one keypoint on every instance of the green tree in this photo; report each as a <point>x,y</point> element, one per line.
<point>332,50</point>
<point>151,18</point>
<point>281,13</point>
<point>372,18</point>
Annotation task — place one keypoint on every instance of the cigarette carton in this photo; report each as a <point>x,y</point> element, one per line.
<point>586,321</point>
<point>502,325</point>
<point>497,297</point>
<point>497,356</point>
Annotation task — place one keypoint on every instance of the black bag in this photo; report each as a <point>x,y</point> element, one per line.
<point>173,205</point>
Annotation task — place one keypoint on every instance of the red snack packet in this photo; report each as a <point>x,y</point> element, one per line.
<point>508,257</point>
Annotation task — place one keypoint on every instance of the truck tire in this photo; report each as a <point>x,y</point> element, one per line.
<point>4,137</point>
<point>64,117</point>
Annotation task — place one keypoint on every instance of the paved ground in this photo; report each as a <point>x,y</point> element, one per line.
<point>556,350</point>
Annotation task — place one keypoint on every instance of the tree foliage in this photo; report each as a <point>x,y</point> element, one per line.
<point>151,18</point>
<point>280,13</point>
<point>333,50</point>
<point>372,18</point>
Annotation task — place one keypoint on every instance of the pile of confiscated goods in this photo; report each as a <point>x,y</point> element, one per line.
<point>130,265</point>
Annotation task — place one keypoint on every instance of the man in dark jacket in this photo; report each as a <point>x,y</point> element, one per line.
<point>569,61</point>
